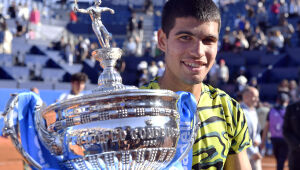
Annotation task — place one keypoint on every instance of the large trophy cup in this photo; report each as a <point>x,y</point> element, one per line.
<point>114,127</point>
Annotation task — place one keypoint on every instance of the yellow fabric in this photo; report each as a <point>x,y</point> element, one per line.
<point>223,129</point>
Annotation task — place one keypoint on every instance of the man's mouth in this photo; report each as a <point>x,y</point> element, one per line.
<point>194,64</point>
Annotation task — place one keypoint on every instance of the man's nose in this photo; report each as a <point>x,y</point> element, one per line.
<point>198,49</point>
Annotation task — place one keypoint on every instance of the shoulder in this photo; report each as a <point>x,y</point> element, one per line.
<point>218,96</point>
<point>229,108</point>
<point>153,84</point>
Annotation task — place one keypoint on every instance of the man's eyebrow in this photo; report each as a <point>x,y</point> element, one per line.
<point>214,37</point>
<point>184,32</point>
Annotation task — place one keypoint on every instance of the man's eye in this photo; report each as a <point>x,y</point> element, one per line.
<point>185,38</point>
<point>208,41</point>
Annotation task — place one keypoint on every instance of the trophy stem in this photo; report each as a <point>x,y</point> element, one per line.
<point>109,79</point>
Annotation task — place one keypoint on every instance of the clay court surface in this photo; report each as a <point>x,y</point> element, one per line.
<point>10,159</point>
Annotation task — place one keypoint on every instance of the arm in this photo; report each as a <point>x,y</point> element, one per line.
<point>76,9</point>
<point>237,158</point>
<point>264,135</point>
<point>237,161</point>
<point>108,9</point>
<point>257,139</point>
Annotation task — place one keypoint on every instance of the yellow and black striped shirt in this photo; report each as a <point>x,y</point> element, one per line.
<point>223,129</point>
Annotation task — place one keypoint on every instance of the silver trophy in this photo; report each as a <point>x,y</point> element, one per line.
<point>114,127</point>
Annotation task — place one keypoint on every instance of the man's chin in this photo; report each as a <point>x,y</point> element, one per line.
<point>194,81</point>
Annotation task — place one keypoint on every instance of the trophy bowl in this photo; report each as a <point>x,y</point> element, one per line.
<point>126,129</point>
<point>114,127</point>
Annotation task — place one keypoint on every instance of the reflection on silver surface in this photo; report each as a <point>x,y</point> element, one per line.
<point>123,129</point>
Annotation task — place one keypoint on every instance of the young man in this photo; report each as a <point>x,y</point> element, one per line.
<point>78,81</point>
<point>189,37</point>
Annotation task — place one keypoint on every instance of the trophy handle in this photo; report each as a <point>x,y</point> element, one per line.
<point>194,130</point>
<point>10,129</point>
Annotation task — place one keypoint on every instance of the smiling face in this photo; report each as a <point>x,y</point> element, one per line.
<point>190,50</point>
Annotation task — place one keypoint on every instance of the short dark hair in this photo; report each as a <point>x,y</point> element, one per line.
<point>203,10</point>
<point>81,77</point>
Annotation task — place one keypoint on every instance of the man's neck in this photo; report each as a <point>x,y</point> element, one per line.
<point>195,89</point>
<point>250,107</point>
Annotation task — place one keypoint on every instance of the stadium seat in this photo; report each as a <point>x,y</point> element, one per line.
<point>270,59</point>
<point>278,74</point>
<point>294,55</point>
<point>256,71</point>
<point>37,60</point>
<point>20,74</point>
<point>52,74</point>
<point>71,69</point>
<point>268,92</point>
<point>20,45</point>
<point>54,55</point>
<point>6,60</point>
<point>232,59</point>
<point>252,57</point>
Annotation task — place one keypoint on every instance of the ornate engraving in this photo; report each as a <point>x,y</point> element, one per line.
<point>123,113</point>
<point>140,111</point>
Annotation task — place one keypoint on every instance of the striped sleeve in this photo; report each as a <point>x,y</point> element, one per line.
<point>241,138</point>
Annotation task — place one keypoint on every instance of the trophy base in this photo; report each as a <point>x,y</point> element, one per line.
<point>146,158</point>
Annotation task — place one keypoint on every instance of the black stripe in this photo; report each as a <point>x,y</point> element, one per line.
<point>238,115</point>
<point>218,165</point>
<point>234,103</point>
<point>222,94</point>
<point>225,136</point>
<point>220,140</point>
<point>243,143</point>
<point>211,120</point>
<point>209,152</point>
<point>208,107</point>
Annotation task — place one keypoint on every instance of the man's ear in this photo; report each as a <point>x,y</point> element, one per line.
<point>162,39</point>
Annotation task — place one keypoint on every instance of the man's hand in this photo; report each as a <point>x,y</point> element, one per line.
<point>112,11</point>
<point>256,156</point>
<point>255,143</point>
<point>262,146</point>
